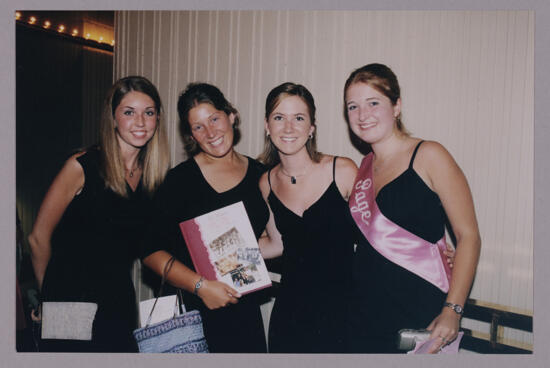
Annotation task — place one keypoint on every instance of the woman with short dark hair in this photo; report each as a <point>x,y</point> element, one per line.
<point>214,176</point>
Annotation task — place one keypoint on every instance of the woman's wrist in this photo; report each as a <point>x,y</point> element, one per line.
<point>448,312</point>
<point>456,308</point>
<point>198,285</point>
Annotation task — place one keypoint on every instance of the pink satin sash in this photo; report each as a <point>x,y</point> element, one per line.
<point>400,246</point>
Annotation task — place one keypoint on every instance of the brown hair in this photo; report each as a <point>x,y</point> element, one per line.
<point>195,94</point>
<point>381,78</point>
<point>270,155</point>
<point>154,157</point>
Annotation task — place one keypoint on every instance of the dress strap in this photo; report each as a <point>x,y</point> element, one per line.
<point>269,178</point>
<point>414,154</point>
<point>334,168</point>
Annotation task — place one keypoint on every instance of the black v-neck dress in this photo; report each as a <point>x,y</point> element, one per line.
<point>310,310</point>
<point>388,297</point>
<point>185,194</point>
<point>93,250</point>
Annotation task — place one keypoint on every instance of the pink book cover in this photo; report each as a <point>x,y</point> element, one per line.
<point>223,247</point>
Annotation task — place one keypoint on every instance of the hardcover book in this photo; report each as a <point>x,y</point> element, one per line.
<point>223,247</point>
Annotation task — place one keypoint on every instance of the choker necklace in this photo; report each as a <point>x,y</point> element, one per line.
<point>293,177</point>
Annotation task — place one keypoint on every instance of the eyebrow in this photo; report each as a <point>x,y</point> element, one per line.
<point>368,99</point>
<point>298,114</point>
<point>213,115</point>
<point>207,118</point>
<point>133,108</point>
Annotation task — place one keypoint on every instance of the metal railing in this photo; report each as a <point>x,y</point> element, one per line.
<point>498,317</point>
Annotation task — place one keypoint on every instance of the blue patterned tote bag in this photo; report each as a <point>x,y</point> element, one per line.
<point>180,334</point>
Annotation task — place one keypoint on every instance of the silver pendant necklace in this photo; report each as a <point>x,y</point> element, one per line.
<point>293,177</point>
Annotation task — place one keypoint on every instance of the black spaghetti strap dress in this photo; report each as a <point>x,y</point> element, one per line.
<point>93,250</point>
<point>185,194</point>
<point>310,310</point>
<point>387,297</point>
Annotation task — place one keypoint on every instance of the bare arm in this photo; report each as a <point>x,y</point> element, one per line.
<point>346,171</point>
<point>214,294</point>
<point>448,181</point>
<point>271,243</point>
<point>65,186</point>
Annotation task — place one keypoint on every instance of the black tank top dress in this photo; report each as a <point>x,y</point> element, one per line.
<point>387,297</point>
<point>93,250</point>
<point>310,310</point>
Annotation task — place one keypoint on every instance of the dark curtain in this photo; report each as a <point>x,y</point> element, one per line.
<point>60,87</point>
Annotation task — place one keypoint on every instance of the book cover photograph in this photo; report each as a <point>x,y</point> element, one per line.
<point>223,247</point>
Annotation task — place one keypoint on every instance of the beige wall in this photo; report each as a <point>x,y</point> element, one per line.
<point>466,78</point>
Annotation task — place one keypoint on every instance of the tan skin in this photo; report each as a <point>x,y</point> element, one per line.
<point>223,168</point>
<point>289,126</point>
<point>136,119</point>
<point>372,118</point>
<point>300,196</point>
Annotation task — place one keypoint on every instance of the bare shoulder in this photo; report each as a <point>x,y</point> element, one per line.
<point>346,171</point>
<point>264,184</point>
<point>342,163</point>
<point>72,165</point>
<point>326,159</point>
<point>72,173</point>
<point>437,166</point>
<point>432,153</point>
<point>346,166</point>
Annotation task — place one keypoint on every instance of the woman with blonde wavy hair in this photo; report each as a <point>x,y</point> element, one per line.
<point>86,235</point>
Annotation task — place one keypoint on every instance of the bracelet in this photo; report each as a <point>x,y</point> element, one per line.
<point>198,285</point>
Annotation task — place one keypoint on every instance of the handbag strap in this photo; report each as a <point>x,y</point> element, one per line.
<point>167,268</point>
<point>179,301</point>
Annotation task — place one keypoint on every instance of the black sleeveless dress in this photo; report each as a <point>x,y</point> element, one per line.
<point>387,297</point>
<point>310,310</point>
<point>93,249</point>
<point>185,194</point>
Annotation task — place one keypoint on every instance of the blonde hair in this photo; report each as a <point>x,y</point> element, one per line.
<point>154,157</point>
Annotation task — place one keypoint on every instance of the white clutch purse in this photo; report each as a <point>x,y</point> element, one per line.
<point>68,320</point>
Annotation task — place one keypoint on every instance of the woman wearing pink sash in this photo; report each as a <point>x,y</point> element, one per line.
<point>405,191</point>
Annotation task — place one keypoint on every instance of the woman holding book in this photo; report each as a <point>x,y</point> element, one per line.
<point>83,242</point>
<point>213,177</point>
<point>307,192</point>
<point>404,190</point>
